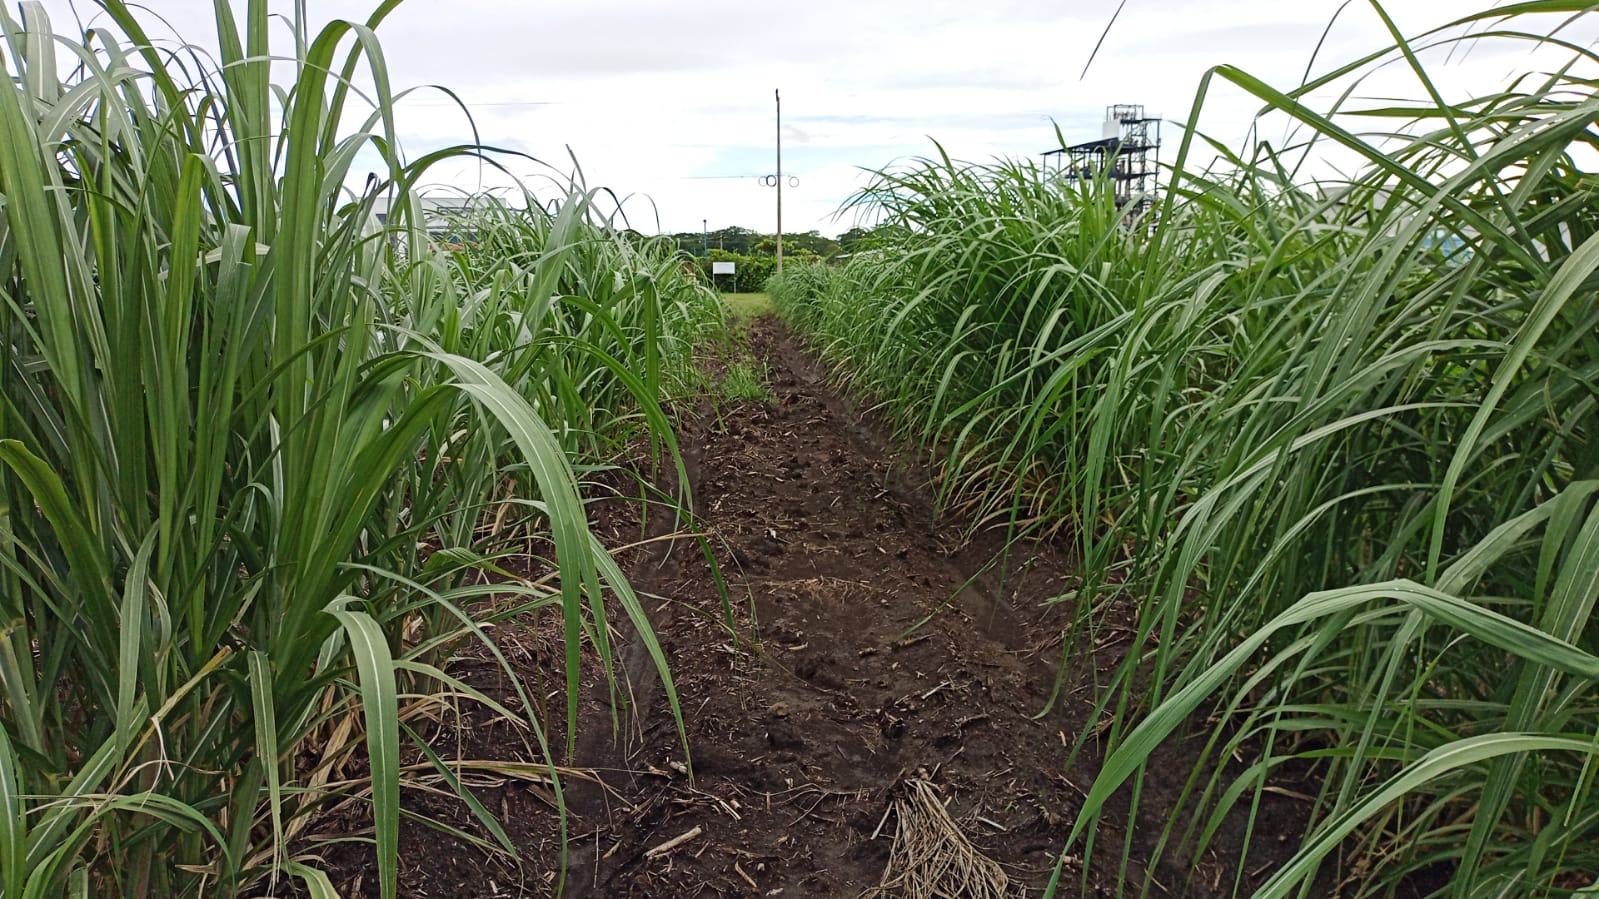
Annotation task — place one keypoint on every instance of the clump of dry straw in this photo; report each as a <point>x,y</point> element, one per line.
<point>932,858</point>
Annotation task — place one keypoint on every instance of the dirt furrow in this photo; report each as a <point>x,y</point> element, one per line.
<point>830,696</point>
<point>870,644</point>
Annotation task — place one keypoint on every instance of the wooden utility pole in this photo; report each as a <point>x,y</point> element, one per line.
<point>777,95</point>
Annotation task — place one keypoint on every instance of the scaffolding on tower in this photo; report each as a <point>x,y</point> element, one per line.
<point>1127,155</point>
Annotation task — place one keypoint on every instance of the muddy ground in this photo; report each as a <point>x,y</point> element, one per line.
<point>805,717</point>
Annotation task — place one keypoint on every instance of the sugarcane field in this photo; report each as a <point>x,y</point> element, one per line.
<point>878,451</point>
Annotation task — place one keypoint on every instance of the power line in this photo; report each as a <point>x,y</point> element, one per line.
<point>789,178</point>
<point>472,104</point>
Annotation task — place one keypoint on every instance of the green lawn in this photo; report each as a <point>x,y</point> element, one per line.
<point>748,305</point>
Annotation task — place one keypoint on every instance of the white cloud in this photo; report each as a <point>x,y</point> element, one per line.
<point>674,102</point>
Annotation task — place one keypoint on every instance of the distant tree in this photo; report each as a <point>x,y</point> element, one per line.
<point>807,243</point>
<point>745,242</point>
<point>734,239</point>
<point>856,239</point>
<point>814,242</point>
<point>851,238</point>
<point>687,242</point>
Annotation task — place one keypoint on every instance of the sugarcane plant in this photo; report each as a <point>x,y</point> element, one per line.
<point>1322,443</point>
<point>252,439</point>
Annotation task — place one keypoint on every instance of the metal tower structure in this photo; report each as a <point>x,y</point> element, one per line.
<point>1127,154</point>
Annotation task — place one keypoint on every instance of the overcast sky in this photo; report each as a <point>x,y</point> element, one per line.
<point>671,104</point>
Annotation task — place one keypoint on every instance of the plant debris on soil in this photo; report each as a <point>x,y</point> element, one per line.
<point>870,726</point>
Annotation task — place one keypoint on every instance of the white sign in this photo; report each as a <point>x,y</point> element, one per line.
<point>722,268</point>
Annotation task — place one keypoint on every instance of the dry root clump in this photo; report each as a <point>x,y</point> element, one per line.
<point>932,858</point>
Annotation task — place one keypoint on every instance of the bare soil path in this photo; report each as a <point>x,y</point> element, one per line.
<point>798,738</point>
<point>804,728</point>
